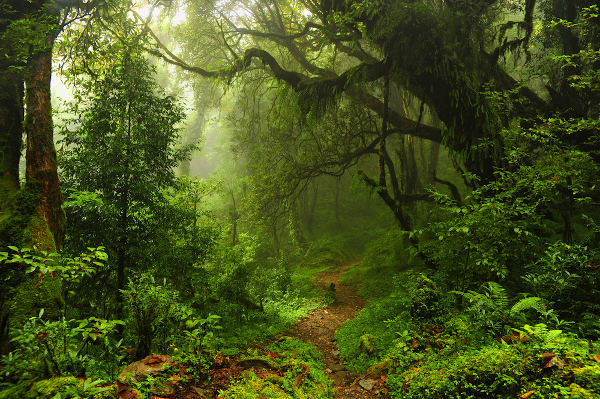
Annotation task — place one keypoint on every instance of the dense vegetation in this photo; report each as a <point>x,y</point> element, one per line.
<point>216,157</point>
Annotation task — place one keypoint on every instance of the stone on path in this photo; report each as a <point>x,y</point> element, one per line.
<point>366,384</point>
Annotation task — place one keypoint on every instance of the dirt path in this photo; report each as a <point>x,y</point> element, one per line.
<point>319,327</point>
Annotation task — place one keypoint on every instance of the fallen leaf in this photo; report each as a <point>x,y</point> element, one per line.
<point>596,358</point>
<point>41,336</point>
<point>125,392</point>
<point>527,394</point>
<point>154,360</point>
<point>551,360</point>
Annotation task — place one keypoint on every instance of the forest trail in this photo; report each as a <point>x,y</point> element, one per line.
<point>319,326</point>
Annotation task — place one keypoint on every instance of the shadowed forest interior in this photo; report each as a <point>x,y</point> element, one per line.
<point>320,199</point>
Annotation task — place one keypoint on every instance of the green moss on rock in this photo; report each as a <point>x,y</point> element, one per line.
<point>587,376</point>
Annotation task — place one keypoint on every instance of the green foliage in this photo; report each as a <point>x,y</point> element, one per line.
<point>118,165</point>
<point>491,308</point>
<point>66,347</point>
<point>158,320</point>
<point>566,277</point>
<point>378,325</point>
<point>304,377</point>
<point>424,297</point>
<point>492,372</point>
<point>71,388</point>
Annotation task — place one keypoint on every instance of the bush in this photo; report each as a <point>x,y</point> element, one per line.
<point>567,277</point>
<point>493,372</point>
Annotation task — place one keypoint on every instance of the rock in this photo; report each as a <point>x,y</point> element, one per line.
<point>150,365</point>
<point>366,384</point>
<point>337,367</point>
<point>341,378</point>
<point>335,353</point>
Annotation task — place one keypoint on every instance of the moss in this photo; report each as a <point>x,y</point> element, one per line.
<point>31,296</point>
<point>251,387</point>
<point>47,389</point>
<point>578,392</point>
<point>486,373</point>
<point>588,376</point>
<point>15,217</point>
<point>21,225</point>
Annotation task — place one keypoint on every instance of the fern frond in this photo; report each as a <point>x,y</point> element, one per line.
<point>532,302</point>
<point>498,295</point>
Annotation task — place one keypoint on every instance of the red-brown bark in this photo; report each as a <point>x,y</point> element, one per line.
<point>41,168</point>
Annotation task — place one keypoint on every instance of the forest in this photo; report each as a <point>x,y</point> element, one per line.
<point>299,199</point>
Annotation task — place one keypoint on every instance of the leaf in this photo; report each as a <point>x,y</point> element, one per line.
<point>527,394</point>
<point>41,336</point>
<point>551,360</point>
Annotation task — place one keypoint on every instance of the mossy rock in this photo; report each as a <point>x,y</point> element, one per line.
<point>47,389</point>
<point>577,392</point>
<point>587,376</point>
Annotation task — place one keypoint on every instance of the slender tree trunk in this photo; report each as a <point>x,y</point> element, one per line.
<point>294,224</point>
<point>310,219</point>
<point>124,220</point>
<point>337,202</point>
<point>192,135</point>
<point>276,243</point>
<point>41,169</point>
<point>234,214</point>
<point>121,259</point>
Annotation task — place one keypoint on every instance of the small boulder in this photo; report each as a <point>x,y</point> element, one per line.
<point>367,385</point>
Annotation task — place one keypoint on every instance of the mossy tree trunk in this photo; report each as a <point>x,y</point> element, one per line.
<point>41,167</point>
<point>30,216</point>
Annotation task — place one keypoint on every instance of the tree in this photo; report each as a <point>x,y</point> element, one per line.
<point>123,150</point>
<point>443,59</point>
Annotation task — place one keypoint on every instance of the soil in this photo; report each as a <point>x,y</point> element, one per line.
<point>319,327</point>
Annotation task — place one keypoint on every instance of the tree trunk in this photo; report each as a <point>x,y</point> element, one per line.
<point>312,207</point>
<point>337,201</point>
<point>41,169</point>
<point>294,224</point>
<point>11,130</point>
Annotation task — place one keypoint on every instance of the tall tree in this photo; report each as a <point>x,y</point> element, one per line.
<point>124,151</point>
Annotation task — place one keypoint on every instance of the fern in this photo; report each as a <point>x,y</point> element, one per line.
<point>498,296</point>
<point>524,304</point>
